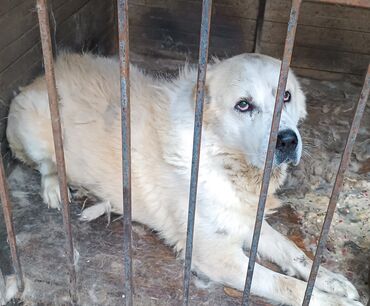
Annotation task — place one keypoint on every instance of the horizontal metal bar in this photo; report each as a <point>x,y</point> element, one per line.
<point>47,52</point>
<point>123,35</point>
<point>355,3</point>
<point>198,122</point>
<point>8,217</point>
<point>288,51</point>
<point>338,186</point>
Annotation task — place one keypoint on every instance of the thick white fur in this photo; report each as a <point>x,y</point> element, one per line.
<point>162,112</point>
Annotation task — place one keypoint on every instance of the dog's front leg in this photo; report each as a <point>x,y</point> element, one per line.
<point>280,250</point>
<point>222,259</point>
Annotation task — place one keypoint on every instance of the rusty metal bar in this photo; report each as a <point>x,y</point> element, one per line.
<point>47,51</point>
<point>354,3</point>
<point>123,35</point>
<point>338,186</point>
<point>259,25</point>
<point>198,121</point>
<point>8,217</point>
<point>279,101</point>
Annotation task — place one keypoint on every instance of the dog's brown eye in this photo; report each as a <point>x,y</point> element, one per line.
<point>244,106</point>
<point>287,96</point>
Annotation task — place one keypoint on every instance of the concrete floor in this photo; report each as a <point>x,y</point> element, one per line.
<point>158,274</point>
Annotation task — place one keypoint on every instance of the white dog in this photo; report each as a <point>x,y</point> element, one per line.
<point>240,95</point>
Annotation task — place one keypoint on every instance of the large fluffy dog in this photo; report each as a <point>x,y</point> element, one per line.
<point>237,116</point>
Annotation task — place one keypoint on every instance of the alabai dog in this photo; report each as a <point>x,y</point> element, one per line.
<point>239,102</point>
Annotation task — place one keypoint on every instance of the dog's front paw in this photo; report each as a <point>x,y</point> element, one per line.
<point>336,283</point>
<point>50,191</point>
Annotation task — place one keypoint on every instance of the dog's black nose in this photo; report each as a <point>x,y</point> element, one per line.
<point>287,141</point>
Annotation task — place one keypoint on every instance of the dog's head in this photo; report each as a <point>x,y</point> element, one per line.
<point>239,107</point>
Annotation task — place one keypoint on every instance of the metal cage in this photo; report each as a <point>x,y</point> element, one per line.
<point>123,29</point>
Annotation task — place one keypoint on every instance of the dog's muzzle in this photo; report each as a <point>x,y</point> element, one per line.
<point>286,147</point>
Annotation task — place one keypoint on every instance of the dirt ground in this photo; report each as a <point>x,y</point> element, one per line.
<point>158,274</point>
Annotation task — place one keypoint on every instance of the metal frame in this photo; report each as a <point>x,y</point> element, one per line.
<point>279,102</point>
<point>8,216</point>
<point>47,51</point>
<point>123,30</point>
<point>202,70</point>
<point>124,60</point>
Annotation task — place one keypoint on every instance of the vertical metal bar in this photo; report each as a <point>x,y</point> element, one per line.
<point>259,25</point>
<point>8,216</point>
<point>123,34</point>
<point>47,52</point>
<point>338,186</point>
<point>288,50</point>
<point>198,120</point>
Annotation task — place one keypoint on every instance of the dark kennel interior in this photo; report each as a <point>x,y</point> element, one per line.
<point>331,54</point>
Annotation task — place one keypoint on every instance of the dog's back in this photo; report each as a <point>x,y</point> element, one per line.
<point>89,95</point>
